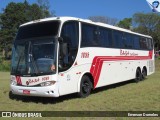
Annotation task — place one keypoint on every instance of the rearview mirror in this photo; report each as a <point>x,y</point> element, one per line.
<point>60,40</point>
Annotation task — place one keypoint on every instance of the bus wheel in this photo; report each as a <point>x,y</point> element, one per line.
<point>11,95</point>
<point>144,73</point>
<point>138,75</point>
<point>85,87</point>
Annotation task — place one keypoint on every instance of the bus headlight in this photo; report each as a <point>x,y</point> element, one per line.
<point>48,83</point>
<point>13,82</point>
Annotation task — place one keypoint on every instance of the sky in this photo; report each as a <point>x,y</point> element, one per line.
<point>119,9</point>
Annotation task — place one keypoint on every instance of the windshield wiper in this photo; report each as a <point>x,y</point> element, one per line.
<point>18,63</point>
<point>33,63</point>
<point>31,59</point>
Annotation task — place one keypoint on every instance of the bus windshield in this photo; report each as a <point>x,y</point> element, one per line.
<point>34,57</point>
<point>34,51</point>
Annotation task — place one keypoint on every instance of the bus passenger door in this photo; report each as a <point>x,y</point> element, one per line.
<point>68,48</point>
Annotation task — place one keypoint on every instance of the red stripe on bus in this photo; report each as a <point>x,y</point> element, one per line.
<point>18,79</point>
<point>97,63</point>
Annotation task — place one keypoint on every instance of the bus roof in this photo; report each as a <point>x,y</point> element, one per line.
<point>85,21</point>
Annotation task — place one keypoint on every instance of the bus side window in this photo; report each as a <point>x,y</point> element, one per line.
<point>149,44</point>
<point>143,43</point>
<point>136,42</point>
<point>70,35</point>
<point>128,41</point>
<point>105,37</point>
<point>118,39</point>
<point>89,36</point>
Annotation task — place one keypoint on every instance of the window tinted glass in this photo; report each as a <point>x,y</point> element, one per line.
<point>105,37</point>
<point>41,29</point>
<point>96,36</point>
<point>136,42</point>
<point>118,39</point>
<point>128,40</point>
<point>143,43</point>
<point>70,35</point>
<point>89,36</point>
<point>149,44</point>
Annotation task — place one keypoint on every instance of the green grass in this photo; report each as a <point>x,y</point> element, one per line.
<point>4,64</point>
<point>128,96</point>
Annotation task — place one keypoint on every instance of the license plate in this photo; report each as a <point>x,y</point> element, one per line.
<point>26,92</point>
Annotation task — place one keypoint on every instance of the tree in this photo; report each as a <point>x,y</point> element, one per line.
<point>148,24</point>
<point>10,23</point>
<point>148,21</point>
<point>125,23</point>
<point>0,40</point>
<point>0,21</point>
<point>35,14</point>
<point>13,16</point>
<point>104,19</point>
<point>44,6</point>
<point>0,32</point>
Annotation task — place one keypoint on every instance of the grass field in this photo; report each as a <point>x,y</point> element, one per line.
<point>128,96</point>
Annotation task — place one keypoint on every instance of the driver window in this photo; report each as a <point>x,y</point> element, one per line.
<point>70,35</point>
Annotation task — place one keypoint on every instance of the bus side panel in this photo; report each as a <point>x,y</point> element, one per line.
<point>113,66</point>
<point>105,71</point>
<point>119,71</point>
<point>116,71</point>
<point>69,80</point>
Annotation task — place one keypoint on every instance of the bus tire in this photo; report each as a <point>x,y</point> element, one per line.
<point>144,73</point>
<point>138,75</point>
<point>85,87</point>
<point>11,95</point>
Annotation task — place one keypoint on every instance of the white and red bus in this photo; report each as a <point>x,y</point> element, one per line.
<point>61,55</point>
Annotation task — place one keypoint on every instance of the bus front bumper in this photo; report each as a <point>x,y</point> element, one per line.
<point>48,91</point>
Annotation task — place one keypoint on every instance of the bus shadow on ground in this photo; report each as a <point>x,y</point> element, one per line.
<point>48,100</point>
<point>43,100</point>
<point>104,88</point>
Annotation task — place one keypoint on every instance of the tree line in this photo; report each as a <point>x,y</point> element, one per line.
<point>16,14</point>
